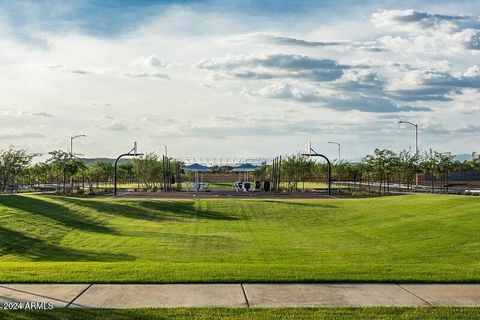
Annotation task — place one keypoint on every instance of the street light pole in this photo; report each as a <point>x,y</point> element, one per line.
<point>338,144</point>
<point>71,141</point>
<point>416,147</point>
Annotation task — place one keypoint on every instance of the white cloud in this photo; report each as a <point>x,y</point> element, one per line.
<point>417,21</point>
<point>42,114</point>
<point>151,61</point>
<point>153,75</point>
<point>341,45</point>
<point>472,72</point>
<point>333,88</point>
<point>115,125</point>
<point>271,66</point>
<point>20,135</point>
<point>101,104</point>
<point>428,32</point>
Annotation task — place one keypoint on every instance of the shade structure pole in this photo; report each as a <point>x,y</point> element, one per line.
<point>279,168</point>
<point>274,170</point>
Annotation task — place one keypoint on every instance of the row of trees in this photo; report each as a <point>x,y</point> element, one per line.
<point>64,172</point>
<point>378,171</point>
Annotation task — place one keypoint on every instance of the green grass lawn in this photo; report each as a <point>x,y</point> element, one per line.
<point>251,314</point>
<point>410,238</point>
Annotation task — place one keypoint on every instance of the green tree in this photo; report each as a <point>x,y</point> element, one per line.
<point>12,162</point>
<point>296,168</point>
<point>148,169</point>
<point>407,167</point>
<point>65,164</point>
<point>105,168</point>
<point>125,172</point>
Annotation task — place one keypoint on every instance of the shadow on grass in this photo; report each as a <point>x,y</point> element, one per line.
<point>14,242</point>
<point>56,212</point>
<point>186,210</point>
<point>151,210</point>
<point>300,203</point>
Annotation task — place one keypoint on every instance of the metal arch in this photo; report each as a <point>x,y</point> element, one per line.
<point>316,154</point>
<point>134,154</point>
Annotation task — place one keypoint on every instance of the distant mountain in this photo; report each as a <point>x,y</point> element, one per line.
<point>458,157</point>
<point>463,157</point>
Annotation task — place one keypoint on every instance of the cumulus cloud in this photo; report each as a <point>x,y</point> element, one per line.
<point>20,135</point>
<point>19,113</point>
<point>285,90</point>
<point>334,100</point>
<point>62,68</point>
<point>101,104</point>
<point>413,62</point>
<point>443,129</point>
<point>226,127</point>
<point>79,71</point>
<point>263,38</point>
<point>115,125</point>
<point>413,20</point>
<point>474,43</point>
<point>152,75</point>
<point>367,103</point>
<point>356,80</point>
<point>255,127</point>
<point>151,61</point>
<point>271,66</point>
<point>423,93</point>
<point>42,114</point>
<point>436,85</point>
<point>344,87</point>
<point>426,31</point>
<point>279,61</point>
<point>470,79</point>
<point>156,118</point>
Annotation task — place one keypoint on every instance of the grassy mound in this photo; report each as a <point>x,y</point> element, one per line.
<point>415,238</point>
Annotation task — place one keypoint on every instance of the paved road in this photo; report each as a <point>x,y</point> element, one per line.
<point>241,295</point>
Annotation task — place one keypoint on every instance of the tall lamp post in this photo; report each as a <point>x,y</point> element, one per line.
<point>71,141</point>
<point>416,146</point>
<point>338,144</point>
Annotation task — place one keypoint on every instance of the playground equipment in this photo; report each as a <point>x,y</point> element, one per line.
<point>197,168</point>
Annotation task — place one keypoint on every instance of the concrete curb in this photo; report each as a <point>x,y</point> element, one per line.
<point>115,296</point>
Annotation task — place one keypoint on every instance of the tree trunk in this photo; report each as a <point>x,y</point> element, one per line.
<point>447,180</point>
<point>433,185</point>
<point>64,181</point>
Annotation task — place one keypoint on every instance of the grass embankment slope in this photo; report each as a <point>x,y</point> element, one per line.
<point>250,314</point>
<point>415,238</point>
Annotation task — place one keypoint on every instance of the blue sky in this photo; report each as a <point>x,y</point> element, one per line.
<point>115,17</point>
<point>239,77</point>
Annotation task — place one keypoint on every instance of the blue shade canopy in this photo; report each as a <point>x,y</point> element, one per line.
<point>245,167</point>
<point>197,167</point>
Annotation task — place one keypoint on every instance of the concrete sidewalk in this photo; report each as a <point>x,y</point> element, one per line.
<point>241,295</point>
